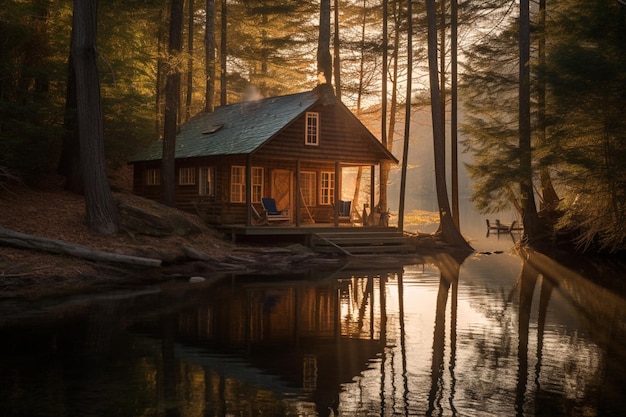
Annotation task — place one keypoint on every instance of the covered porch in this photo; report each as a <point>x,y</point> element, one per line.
<point>311,194</point>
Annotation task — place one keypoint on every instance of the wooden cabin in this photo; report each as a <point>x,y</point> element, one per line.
<point>290,148</point>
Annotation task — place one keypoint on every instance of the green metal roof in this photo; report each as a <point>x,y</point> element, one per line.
<point>234,129</point>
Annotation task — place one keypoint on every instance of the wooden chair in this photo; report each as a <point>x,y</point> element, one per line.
<point>272,214</point>
<point>258,219</point>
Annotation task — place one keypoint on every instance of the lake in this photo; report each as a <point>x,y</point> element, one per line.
<point>493,334</point>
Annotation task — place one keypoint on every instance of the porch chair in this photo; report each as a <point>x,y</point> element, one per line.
<point>272,213</point>
<point>345,208</point>
<point>258,219</point>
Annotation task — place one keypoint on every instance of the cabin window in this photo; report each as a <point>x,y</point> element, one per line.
<point>153,176</point>
<point>257,184</point>
<point>187,176</point>
<point>206,183</point>
<point>238,184</point>
<point>312,129</point>
<point>327,187</point>
<point>307,187</point>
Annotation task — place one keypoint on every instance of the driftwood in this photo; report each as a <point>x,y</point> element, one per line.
<point>23,240</point>
<point>196,254</point>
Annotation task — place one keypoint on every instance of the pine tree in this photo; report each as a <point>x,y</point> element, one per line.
<point>586,77</point>
<point>101,211</point>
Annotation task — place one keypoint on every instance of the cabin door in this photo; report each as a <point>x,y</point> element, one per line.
<point>281,189</point>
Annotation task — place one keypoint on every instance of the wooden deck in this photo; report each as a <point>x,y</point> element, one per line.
<point>326,238</point>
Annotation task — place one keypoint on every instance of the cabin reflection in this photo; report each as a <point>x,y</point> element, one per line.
<point>241,316</point>
<point>313,336</point>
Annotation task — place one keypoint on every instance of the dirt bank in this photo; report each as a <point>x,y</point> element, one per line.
<point>51,212</point>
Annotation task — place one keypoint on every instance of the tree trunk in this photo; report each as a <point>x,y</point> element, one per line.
<point>209,45</point>
<point>530,218</point>
<point>22,240</point>
<point>407,115</point>
<point>384,166</point>
<point>189,61</point>
<point>172,94</point>
<point>324,59</point>
<point>223,54</point>
<point>448,230</point>
<point>359,175</point>
<point>101,211</point>
<point>69,162</point>
<point>336,49</point>
<point>388,136</point>
<point>549,195</point>
<point>454,112</point>
<point>160,66</point>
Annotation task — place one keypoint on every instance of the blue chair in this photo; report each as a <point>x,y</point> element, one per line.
<point>272,213</point>
<point>345,208</point>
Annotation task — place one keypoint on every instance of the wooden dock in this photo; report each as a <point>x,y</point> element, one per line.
<point>363,242</point>
<point>348,240</point>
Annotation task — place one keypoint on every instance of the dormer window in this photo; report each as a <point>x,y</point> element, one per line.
<point>312,129</point>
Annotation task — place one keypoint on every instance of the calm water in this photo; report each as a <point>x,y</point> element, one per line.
<point>489,335</point>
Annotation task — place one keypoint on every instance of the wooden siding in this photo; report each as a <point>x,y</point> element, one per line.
<point>341,139</point>
<point>218,209</point>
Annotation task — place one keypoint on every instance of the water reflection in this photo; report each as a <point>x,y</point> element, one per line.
<point>486,335</point>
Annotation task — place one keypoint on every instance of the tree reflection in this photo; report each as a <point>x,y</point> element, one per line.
<point>449,266</point>
<point>544,299</point>
<point>528,280</point>
<point>347,345</point>
<point>405,379</point>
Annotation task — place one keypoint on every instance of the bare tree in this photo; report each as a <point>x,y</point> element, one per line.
<point>101,211</point>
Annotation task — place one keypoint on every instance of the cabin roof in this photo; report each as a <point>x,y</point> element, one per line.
<point>239,129</point>
<point>234,129</point>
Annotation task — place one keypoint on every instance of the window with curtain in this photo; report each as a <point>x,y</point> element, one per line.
<point>153,176</point>
<point>187,176</point>
<point>206,183</point>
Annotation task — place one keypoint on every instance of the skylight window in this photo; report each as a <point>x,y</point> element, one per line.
<point>213,128</point>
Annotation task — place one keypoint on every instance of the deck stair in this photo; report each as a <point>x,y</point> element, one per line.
<point>361,242</point>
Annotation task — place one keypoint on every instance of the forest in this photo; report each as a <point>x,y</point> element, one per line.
<point>534,91</point>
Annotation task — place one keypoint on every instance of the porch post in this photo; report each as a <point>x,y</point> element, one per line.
<point>249,190</point>
<point>298,194</point>
<point>372,189</point>
<point>336,194</point>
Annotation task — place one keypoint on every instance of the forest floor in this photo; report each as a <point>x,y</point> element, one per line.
<point>51,212</point>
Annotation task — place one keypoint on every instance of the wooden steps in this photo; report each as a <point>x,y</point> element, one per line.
<point>361,242</point>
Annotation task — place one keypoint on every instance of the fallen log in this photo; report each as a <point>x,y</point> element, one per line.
<point>23,240</point>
